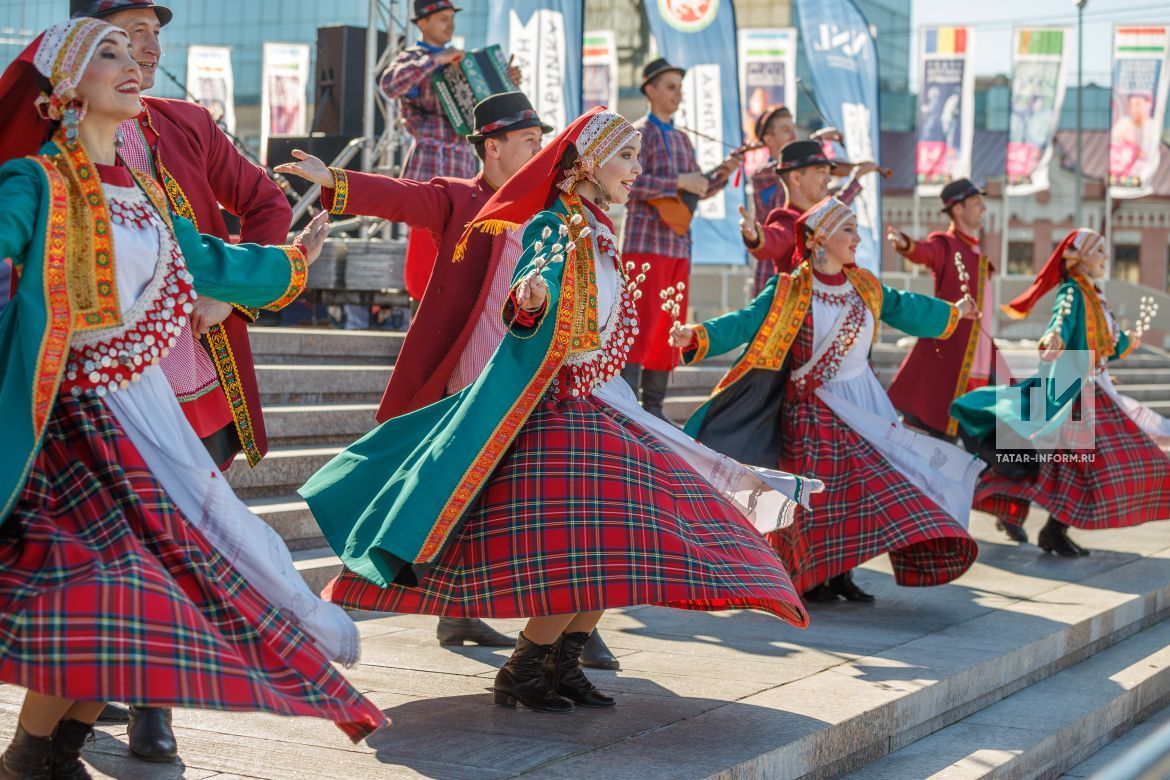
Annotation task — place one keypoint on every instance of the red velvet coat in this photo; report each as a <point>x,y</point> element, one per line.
<point>201,170</point>
<point>456,292</point>
<point>777,241</point>
<point>936,372</point>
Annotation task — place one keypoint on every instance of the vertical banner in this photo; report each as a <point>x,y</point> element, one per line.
<point>1038,86</point>
<point>698,35</point>
<point>1140,59</point>
<point>211,84</point>
<point>767,77</point>
<point>599,75</point>
<point>843,69</point>
<point>543,36</point>
<point>946,107</point>
<point>283,98</point>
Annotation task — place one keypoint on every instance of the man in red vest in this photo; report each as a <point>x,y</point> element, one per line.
<point>179,144</point>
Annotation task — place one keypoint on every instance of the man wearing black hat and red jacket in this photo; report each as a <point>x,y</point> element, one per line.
<point>669,169</point>
<point>458,326</point>
<point>806,172</point>
<point>179,144</point>
<point>936,372</point>
<point>437,150</point>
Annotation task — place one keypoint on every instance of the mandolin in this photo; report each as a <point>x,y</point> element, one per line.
<point>677,211</point>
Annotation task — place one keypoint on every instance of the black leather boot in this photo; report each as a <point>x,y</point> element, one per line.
<point>844,586</point>
<point>454,632</point>
<point>65,758</point>
<point>1014,532</point>
<point>522,680</point>
<point>654,391</point>
<point>27,758</point>
<point>1054,539</point>
<point>820,594</point>
<point>562,667</point>
<point>597,655</point>
<point>151,736</point>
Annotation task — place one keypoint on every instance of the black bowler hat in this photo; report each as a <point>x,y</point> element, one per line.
<point>102,8</point>
<point>803,154</point>
<point>502,113</point>
<point>424,8</point>
<point>958,191</point>
<point>656,69</point>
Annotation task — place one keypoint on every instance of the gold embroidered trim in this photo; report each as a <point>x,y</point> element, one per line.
<point>1097,335</point>
<point>869,288</point>
<point>340,191</point>
<point>247,312</point>
<point>229,379</point>
<point>296,282</point>
<point>972,345</point>
<point>586,336</point>
<point>702,343</point>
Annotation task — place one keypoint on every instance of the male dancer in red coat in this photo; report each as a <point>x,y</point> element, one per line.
<point>937,372</point>
<point>458,325</point>
<point>179,144</point>
<point>806,173</point>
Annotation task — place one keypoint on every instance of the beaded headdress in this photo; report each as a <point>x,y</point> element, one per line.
<point>1075,246</point>
<point>62,57</point>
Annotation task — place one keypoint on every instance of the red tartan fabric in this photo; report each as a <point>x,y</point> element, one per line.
<point>586,512</point>
<point>1127,483</point>
<point>867,509</point>
<point>107,594</point>
<point>651,347</point>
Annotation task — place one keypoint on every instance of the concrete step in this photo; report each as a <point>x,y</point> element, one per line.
<point>1115,749</point>
<point>283,470</point>
<point>289,516</point>
<point>1051,725</point>
<point>299,424</point>
<point>324,345</point>
<point>317,566</point>
<point>1145,393</point>
<point>316,384</point>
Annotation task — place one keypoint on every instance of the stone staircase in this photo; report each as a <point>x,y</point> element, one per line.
<point>1036,682</point>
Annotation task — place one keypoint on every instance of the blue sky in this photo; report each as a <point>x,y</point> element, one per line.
<point>993,21</point>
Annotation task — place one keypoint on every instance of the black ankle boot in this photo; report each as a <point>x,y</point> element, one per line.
<point>654,391</point>
<point>453,632</point>
<point>65,758</point>
<point>1014,532</point>
<point>597,654</point>
<point>844,586</point>
<point>1054,539</point>
<point>522,680</point>
<point>562,668</point>
<point>27,758</point>
<point>820,594</point>
<point>152,738</point>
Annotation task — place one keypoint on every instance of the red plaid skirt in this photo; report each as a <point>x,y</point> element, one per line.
<point>651,348</point>
<point>107,594</point>
<point>1126,482</point>
<point>868,508</point>
<point>587,512</point>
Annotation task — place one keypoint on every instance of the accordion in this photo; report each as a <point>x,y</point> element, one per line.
<point>459,86</point>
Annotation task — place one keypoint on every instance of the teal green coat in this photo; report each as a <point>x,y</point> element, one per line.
<point>767,326</point>
<point>391,501</point>
<point>39,236</point>
<point>980,410</point>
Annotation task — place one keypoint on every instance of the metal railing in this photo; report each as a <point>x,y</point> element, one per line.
<point>1148,760</point>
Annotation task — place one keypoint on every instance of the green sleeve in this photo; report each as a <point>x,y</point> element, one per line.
<point>734,329</point>
<point>919,315</point>
<point>1069,323</point>
<point>21,182</point>
<point>1124,347</point>
<point>246,274</point>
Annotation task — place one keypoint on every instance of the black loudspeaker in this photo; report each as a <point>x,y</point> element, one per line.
<point>341,80</point>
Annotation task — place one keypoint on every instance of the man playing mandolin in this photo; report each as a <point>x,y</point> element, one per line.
<point>669,172</point>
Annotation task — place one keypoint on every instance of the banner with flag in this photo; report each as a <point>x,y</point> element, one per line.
<point>1038,87</point>
<point>599,76</point>
<point>544,38</point>
<point>211,84</point>
<point>699,35</point>
<point>767,78</point>
<point>946,107</point>
<point>1140,58</point>
<point>843,68</point>
<point>284,92</point>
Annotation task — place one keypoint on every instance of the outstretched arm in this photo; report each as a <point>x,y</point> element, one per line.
<point>725,333</point>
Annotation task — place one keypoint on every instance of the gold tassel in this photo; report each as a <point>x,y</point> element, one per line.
<point>492,227</point>
<point>1015,315</point>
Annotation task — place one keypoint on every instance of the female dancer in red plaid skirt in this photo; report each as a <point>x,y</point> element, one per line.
<point>1120,476</point>
<point>129,571</point>
<point>802,394</point>
<point>543,490</point>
